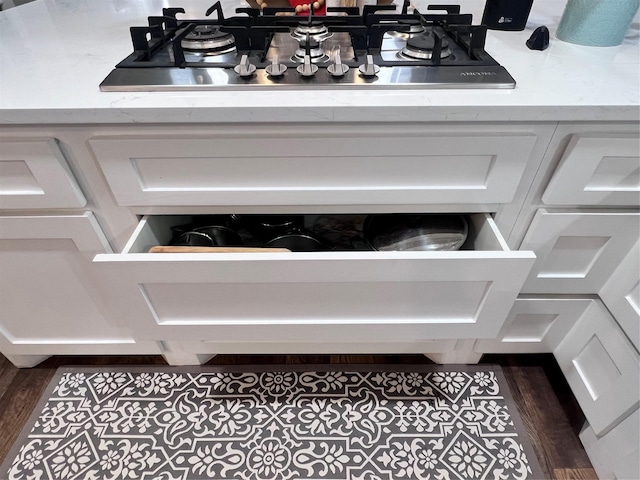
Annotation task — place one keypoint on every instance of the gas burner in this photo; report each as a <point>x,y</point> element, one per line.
<point>316,52</point>
<point>415,29</point>
<point>316,30</point>
<point>208,39</point>
<point>420,47</point>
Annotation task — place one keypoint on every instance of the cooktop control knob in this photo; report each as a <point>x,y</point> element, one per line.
<point>368,68</point>
<point>337,69</point>
<point>276,69</point>
<point>245,68</point>
<point>307,69</point>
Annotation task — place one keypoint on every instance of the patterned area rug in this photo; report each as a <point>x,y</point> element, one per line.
<point>293,422</point>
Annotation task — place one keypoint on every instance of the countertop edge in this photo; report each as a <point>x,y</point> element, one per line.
<point>321,114</point>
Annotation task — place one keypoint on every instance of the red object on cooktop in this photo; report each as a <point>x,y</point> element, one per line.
<point>320,11</point>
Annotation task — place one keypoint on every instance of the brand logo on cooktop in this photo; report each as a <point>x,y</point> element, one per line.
<point>477,74</point>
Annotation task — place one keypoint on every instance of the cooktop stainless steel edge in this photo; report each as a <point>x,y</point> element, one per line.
<point>180,79</point>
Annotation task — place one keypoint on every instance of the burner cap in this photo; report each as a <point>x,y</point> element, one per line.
<point>316,30</point>
<point>425,42</point>
<point>415,29</point>
<point>421,47</point>
<point>209,39</point>
<point>317,55</point>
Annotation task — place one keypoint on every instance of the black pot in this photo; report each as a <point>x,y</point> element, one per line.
<point>199,221</point>
<point>297,242</point>
<point>267,227</point>
<point>209,236</point>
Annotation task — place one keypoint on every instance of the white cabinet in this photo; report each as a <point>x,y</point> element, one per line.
<point>621,295</point>
<point>51,301</point>
<point>588,255</point>
<point>34,174</point>
<point>615,455</point>
<point>578,251</point>
<point>536,325</point>
<point>602,368</point>
<point>318,165</point>
<point>597,169</point>
<point>320,298</point>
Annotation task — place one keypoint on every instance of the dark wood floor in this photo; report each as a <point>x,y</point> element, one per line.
<point>549,410</point>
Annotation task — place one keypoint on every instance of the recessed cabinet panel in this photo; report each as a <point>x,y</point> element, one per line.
<point>577,252</point>
<point>602,368</point>
<point>34,174</point>
<point>366,295</point>
<point>536,325</point>
<point>621,295</point>
<point>51,302</point>
<point>319,168</point>
<point>597,169</point>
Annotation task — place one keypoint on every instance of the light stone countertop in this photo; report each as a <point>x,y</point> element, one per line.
<point>55,53</point>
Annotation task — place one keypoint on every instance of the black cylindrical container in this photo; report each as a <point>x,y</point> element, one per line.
<point>506,14</point>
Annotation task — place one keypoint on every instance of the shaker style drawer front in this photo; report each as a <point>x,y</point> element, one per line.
<point>621,295</point>
<point>602,169</point>
<point>577,252</point>
<point>51,303</point>
<point>536,325</point>
<point>615,454</point>
<point>319,168</point>
<point>332,296</point>
<point>34,175</point>
<point>602,368</point>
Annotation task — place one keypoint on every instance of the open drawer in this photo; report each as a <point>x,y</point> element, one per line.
<point>334,296</point>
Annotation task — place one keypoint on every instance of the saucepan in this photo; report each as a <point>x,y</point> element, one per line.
<point>415,232</point>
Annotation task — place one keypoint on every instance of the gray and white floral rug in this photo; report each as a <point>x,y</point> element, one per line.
<point>360,423</point>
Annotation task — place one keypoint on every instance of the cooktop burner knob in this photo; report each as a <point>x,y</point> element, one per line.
<point>368,68</point>
<point>276,69</point>
<point>245,68</point>
<point>307,69</point>
<point>337,69</point>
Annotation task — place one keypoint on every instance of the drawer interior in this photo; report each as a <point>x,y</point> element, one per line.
<point>337,232</point>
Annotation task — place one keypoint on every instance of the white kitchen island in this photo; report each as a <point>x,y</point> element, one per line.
<point>547,175</point>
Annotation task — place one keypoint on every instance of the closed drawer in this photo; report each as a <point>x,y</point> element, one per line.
<point>34,175</point>
<point>602,368</point>
<point>621,295</point>
<point>536,325</point>
<point>315,167</point>
<point>50,299</point>
<point>318,297</point>
<point>615,455</point>
<point>576,251</point>
<point>597,169</point>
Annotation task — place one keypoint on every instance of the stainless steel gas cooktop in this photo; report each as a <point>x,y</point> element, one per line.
<point>339,47</point>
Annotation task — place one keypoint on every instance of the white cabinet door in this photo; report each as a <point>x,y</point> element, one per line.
<point>621,295</point>
<point>34,174</point>
<point>320,297</point>
<point>317,166</point>
<point>50,302</point>
<point>602,368</point>
<point>536,325</point>
<point>597,169</point>
<point>577,252</point>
